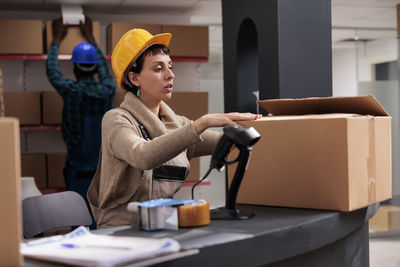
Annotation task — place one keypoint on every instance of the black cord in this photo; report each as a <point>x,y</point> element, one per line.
<point>204,177</point>
<point>226,181</point>
<point>226,175</point>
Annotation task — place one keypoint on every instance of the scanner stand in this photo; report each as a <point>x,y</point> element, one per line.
<point>229,212</point>
<point>223,213</point>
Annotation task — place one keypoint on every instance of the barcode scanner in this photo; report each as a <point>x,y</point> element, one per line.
<point>243,138</point>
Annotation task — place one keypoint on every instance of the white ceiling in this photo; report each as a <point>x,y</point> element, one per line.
<point>365,19</point>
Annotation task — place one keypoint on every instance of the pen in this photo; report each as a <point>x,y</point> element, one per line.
<point>68,245</point>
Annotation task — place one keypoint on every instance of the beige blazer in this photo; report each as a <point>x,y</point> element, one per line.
<point>127,160</point>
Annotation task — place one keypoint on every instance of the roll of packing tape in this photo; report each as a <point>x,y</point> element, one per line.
<point>194,214</point>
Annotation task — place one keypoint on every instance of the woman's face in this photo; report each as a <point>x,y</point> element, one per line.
<point>156,78</point>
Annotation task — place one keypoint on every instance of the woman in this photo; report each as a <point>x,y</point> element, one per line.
<point>146,147</point>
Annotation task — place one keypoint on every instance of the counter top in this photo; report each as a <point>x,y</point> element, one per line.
<point>273,235</point>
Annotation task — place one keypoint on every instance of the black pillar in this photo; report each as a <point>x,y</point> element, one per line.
<point>276,49</point>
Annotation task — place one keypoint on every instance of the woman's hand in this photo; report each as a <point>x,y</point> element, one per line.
<point>219,120</point>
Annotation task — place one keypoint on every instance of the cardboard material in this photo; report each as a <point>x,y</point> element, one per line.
<point>334,159</point>
<point>194,172</point>
<point>188,41</point>
<point>10,193</point>
<point>34,165</point>
<point>24,105</point>
<point>55,167</point>
<point>386,219</point>
<point>116,29</point>
<point>21,36</point>
<point>52,105</point>
<point>73,37</point>
<point>191,104</point>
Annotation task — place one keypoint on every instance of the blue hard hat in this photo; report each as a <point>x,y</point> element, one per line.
<point>84,53</point>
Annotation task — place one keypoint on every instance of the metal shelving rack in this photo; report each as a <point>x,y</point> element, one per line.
<point>68,57</point>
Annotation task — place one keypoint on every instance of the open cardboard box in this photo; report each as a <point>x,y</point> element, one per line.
<point>323,153</point>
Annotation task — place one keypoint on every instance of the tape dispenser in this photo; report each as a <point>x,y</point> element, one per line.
<point>167,213</point>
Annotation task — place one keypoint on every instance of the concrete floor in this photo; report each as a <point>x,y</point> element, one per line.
<point>384,249</point>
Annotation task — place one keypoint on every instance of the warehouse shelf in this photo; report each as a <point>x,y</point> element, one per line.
<point>190,59</point>
<point>39,127</point>
<point>68,57</point>
<point>31,57</point>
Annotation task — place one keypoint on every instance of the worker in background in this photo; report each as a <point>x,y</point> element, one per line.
<point>85,102</point>
<point>146,147</point>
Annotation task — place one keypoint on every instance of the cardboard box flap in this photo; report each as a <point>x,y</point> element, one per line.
<point>363,105</point>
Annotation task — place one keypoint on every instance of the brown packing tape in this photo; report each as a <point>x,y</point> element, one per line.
<point>194,214</point>
<point>371,161</point>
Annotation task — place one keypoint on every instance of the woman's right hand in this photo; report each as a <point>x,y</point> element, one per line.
<point>219,120</point>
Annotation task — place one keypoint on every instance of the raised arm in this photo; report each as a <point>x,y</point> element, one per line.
<point>102,69</point>
<point>54,75</point>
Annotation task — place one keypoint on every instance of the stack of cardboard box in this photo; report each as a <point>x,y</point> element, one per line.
<point>46,168</point>
<point>24,105</point>
<point>26,37</point>
<point>21,36</point>
<point>187,41</point>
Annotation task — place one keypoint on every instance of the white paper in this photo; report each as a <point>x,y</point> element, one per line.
<point>82,248</point>
<point>72,14</point>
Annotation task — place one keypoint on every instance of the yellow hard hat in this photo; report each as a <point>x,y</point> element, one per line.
<point>130,47</point>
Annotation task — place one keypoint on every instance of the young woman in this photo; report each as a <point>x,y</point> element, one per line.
<point>146,147</point>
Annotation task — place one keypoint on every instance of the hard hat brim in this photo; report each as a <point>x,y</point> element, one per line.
<point>163,39</point>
